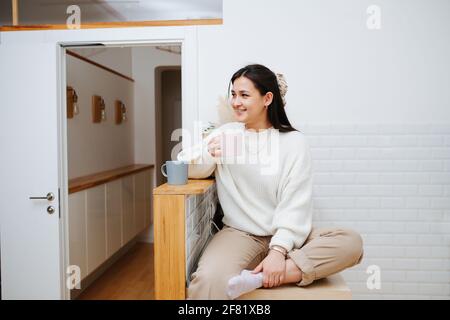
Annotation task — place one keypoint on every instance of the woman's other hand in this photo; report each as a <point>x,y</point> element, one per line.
<point>273,267</point>
<point>214,147</point>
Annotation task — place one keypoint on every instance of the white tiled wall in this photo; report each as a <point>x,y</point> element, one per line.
<point>391,183</point>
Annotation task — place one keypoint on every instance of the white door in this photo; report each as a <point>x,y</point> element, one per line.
<point>30,235</point>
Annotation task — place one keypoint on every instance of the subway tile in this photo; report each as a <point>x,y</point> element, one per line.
<point>434,288</point>
<point>440,203</point>
<point>418,203</point>
<point>432,165</point>
<point>406,165</point>
<point>379,141</point>
<point>404,141</point>
<point>431,190</point>
<point>343,153</point>
<point>440,178</point>
<point>328,165</point>
<point>440,153</point>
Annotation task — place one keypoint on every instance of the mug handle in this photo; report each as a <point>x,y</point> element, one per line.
<point>162,170</point>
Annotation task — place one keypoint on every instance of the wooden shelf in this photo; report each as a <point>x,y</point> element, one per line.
<point>193,187</point>
<point>92,180</point>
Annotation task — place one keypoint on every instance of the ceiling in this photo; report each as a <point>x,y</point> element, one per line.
<point>55,11</point>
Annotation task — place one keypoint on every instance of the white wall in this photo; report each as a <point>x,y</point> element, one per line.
<point>96,147</point>
<point>118,59</point>
<point>391,183</point>
<point>337,70</point>
<point>145,60</point>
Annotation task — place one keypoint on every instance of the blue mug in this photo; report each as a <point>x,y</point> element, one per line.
<point>177,172</point>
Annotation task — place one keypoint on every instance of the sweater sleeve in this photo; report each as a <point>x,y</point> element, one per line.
<point>292,221</point>
<point>201,163</point>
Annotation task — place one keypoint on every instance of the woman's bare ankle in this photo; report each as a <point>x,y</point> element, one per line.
<point>293,274</point>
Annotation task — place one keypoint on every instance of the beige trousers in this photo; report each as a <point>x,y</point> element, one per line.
<point>326,251</point>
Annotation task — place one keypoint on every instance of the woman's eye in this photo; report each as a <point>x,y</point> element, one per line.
<point>245,95</point>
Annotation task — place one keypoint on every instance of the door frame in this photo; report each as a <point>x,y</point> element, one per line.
<point>189,107</point>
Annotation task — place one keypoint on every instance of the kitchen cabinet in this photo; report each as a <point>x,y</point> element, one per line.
<point>113,217</point>
<point>107,211</point>
<point>96,227</point>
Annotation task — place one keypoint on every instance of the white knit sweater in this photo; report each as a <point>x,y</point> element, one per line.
<point>271,197</point>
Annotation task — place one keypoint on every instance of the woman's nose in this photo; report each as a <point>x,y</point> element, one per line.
<point>236,102</point>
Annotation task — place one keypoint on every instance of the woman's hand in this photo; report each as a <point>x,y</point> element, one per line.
<point>273,267</point>
<point>214,147</point>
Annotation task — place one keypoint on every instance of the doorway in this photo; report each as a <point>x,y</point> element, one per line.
<point>167,114</point>
<point>117,126</point>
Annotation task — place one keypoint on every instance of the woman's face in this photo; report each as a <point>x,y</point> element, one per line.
<point>247,102</point>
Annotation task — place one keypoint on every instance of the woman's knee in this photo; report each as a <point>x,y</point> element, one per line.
<point>352,243</point>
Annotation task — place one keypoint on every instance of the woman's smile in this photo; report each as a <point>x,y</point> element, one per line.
<point>240,111</point>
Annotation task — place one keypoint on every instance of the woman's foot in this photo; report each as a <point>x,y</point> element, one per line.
<point>243,283</point>
<point>248,281</point>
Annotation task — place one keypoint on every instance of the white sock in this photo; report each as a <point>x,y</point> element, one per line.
<point>243,283</point>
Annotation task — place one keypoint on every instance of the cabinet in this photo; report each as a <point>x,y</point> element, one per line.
<point>139,202</point>
<point>182,229</point>
<point>114,239</point>
<point>106,212</point>
<point>128,208</point>
<point>96,227</point>
<point>77,232</point>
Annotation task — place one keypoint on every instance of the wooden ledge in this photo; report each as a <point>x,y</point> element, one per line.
<point>330,288</point>
<point>92,180</point>
<point>194,186</point>
<point>121,24</point>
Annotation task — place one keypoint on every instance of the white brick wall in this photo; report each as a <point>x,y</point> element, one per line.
<point>391,183</point>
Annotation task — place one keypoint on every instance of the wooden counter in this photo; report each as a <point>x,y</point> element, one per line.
<point>193,187</point>
<point>92,180</point>
<point>181,229</point>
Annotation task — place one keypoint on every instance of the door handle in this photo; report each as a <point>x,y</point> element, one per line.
<point>50,197</point>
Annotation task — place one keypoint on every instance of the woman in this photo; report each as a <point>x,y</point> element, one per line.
<point>267,239</point>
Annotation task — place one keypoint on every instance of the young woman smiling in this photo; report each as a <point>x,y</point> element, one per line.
<point>267,239</point>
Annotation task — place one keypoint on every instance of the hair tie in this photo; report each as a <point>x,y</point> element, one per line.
<point>282,85</point>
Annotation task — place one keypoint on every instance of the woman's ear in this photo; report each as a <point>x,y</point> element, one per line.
<point>268,98</point>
